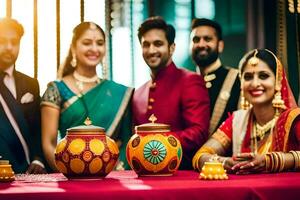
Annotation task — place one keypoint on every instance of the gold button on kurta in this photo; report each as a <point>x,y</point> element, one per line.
<point>151,100</point>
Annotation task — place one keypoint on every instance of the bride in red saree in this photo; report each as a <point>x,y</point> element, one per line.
<point>263,136</point>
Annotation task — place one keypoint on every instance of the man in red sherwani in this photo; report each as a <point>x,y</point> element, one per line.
<point>175,96</point>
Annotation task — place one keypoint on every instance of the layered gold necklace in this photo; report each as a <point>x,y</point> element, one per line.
<point>259,131</point>
<point>81,80</point>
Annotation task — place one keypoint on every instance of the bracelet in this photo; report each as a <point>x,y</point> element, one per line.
<point>37,162</point>
<point>268,162</point>
<point>296,159</point>
<point>282,161</point>
<point>224,161</point>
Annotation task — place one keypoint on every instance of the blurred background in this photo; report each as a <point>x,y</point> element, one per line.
<point>246,24</point>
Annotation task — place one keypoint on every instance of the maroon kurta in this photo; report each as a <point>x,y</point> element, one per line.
<point>179,98</point>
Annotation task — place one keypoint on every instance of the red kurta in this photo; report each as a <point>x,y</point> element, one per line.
<point>179,98</point>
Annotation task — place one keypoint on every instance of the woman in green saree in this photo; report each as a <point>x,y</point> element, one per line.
<point>80,93</point>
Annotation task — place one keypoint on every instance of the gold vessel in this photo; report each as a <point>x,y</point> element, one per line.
<point>6,172</point>
<point>213,170</point>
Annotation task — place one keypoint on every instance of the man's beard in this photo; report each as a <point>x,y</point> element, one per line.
<point>204,61</point>
<point>7,59</point>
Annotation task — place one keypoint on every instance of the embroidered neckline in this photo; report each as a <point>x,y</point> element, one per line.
<point>208,78</point>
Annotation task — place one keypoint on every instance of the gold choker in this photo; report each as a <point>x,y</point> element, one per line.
<point>260,132</point>
<point>80,80</point>
<point>85,79</point>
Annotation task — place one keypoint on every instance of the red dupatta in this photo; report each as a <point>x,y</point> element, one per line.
<point>287,114</point>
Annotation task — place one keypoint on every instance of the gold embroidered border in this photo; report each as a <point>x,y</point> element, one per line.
<point>53,105</point>
<point>120,112</point>
<point>221,137</point>
<point>68,103</point>
<point>282,36</point>
<point>222,100</point>
<point>290,119</point>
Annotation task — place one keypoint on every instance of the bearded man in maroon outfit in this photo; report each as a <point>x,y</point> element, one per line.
<point>175,96</point>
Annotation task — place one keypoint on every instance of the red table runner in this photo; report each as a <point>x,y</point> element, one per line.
<point>126,185</point>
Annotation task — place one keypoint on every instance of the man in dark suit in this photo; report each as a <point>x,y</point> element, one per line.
<point>20,140</point>
<point>222,82</point>
<point>175,96</point>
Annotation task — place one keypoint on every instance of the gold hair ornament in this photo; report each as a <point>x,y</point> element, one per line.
<point>253,61</point>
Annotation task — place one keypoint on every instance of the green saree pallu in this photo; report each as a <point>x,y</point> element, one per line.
<point>107,105</point>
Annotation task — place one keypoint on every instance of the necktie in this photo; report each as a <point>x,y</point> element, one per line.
<point>7,95</point>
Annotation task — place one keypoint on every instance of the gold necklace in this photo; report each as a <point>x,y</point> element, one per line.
<point>81,80</point>
<point>260,131</point>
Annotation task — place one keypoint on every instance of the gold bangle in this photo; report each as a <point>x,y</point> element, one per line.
<point>280,160</point>
<point>296,158</point>
<point>224,161</point>
<point>276,158</point>
<point>272,164</point>
<point>283,161</point>
<point>267,160</point>
<point>197,157</point>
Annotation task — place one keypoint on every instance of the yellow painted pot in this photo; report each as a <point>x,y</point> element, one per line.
<point>154,150</point>
<point>86,152</point>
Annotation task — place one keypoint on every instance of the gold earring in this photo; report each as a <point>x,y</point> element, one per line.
<point>104,70</point>
<point>277,102</point>
<point>245,105</point>
<point>73,61</point>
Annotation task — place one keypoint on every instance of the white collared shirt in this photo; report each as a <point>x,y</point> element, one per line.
<point>9,80</point>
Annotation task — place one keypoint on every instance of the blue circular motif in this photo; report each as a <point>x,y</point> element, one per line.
<point>155,152</point>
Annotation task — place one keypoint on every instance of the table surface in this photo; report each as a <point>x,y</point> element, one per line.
<point>126,184</point>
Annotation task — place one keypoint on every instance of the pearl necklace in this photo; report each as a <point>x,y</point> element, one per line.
<point>80,80</point>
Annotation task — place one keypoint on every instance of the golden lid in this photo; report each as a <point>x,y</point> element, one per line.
<point>4,162</point>
<point>153,127</point>
<point>87,128</point>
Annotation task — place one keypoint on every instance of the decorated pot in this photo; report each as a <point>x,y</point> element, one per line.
<point>153,150</point>
<point>86,152</point>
